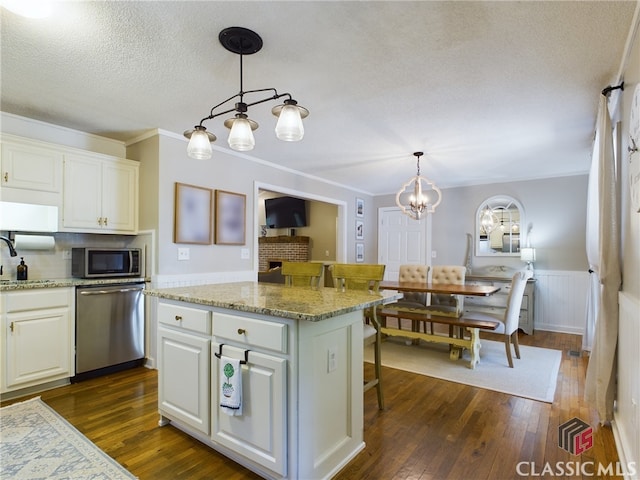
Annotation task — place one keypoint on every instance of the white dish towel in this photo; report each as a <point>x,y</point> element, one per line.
<point>230,386</point>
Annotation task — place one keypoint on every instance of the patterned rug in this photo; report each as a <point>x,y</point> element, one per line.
<point>37,443</point>
<point>534,376</point>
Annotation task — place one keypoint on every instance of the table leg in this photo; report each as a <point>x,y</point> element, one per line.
<point>474,347</point>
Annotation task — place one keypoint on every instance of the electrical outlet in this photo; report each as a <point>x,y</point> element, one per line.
<point>434,254</point>
<point>332,359</point>
<point>244,254</point>
<point>66,254</point>
<point>183,254</point>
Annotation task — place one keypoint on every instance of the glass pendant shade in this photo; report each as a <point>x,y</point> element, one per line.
<point>241,134</point>
<point>289,127</point>
<point>199,145</point>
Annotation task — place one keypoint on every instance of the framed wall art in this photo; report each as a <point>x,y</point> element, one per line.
<point>359,207</point>
<point>230,218</point>
<point>192,214</point>
<point>359,230</point>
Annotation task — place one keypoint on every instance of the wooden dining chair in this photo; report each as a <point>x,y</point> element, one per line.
<point>366,277</point>
<point>511,317</point>
<point>302,274</point>
<point>446,305</point>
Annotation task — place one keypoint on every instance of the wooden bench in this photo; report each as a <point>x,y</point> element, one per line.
<point>458,344</point>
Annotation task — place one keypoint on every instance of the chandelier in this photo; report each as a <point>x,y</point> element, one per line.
<point>289,128</point>
<point>419,195</point>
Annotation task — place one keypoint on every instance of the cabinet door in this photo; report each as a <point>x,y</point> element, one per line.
<point>260,433</point>
<point>119,197</point>
<point>183,378</point>
<point>82,203</point>
<point>38,347</point>
<point>30,167</point>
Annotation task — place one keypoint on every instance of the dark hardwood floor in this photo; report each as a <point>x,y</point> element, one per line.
<point>430,429</point>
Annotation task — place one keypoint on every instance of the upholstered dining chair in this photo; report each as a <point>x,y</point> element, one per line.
<point>414,273</point>
<point>447,305</point>
<point>366,277</point>
<point>302,274</point>
<point>510,319</point>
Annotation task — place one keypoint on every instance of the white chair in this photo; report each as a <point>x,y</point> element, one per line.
<point>509,320</point>
<point>446,305</point>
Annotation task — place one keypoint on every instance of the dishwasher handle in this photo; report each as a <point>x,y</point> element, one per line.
<point>119,290</point>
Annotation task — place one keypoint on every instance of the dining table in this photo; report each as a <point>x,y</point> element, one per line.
<point>455,320</point>
<point>439,288</point>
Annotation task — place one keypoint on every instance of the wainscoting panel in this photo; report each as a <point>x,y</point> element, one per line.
<point>561,300</point>
<point>627,413</point>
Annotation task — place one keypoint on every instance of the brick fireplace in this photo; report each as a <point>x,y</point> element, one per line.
<point>273,250</point>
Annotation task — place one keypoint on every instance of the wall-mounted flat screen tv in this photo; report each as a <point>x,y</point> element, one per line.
<point>285,212</point>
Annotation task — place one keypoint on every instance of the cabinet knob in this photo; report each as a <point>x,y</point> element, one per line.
<point>178,318</point>
<point>6,176</point>
<point>99,220</point>
<point>105,221</point>
<point>11,327</point>
<point>241,331</point>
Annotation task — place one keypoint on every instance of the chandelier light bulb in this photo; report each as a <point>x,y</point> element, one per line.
<point>199,144</point>
<point>289,127</point>
<point>241,135</point>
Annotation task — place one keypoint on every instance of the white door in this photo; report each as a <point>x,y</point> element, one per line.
<point>402,240</point>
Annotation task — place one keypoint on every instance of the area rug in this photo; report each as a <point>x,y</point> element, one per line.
<point>534,376</point>
<point>37,443</point>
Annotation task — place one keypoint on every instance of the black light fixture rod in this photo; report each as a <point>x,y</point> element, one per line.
<point>275,96</point>
<point>606,91</point>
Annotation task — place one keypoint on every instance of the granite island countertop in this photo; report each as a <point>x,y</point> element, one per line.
<point>297,303</point>
<point>11,285</point>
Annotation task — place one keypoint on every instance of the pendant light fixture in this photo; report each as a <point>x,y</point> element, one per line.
<point>419,195</point>
<point>289,128</point>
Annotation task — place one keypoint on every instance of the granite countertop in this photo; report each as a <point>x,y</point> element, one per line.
<point>297,303</point>
<point>11,285</point>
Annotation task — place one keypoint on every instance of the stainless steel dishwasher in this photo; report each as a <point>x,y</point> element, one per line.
<point>109,328</point>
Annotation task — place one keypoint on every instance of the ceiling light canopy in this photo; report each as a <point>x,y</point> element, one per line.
<point>419,195</point>
<point>289,127</point>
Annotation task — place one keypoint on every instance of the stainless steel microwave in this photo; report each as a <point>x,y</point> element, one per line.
<point>96,262</point>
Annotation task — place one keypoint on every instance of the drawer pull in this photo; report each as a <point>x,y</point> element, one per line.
<point>242,362</point>
<point>241,331</point>
<point>178,318</point>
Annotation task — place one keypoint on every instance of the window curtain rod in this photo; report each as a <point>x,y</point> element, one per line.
<point>608,89</point>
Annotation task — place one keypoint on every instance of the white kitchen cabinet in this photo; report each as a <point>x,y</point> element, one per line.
<point>100,194</point>
<point>31,172</point>
<point>38,333</point>
<point>497,303</point>
<point>260,433</point>
<point>184,337</point>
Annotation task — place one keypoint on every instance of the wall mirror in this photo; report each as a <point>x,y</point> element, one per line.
<point>499,220</point>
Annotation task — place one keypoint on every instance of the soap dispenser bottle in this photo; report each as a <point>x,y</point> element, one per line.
<point>22,270</point>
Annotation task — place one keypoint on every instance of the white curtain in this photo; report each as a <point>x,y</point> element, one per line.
<point>593,245</point>
<point>601,372</point>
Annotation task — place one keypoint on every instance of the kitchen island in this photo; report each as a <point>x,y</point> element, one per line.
<point>302,398</point>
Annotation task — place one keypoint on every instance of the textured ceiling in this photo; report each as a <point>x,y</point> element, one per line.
<point>490,91</point>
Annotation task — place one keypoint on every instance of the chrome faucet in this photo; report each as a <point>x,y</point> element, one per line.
<point>12,251</point>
